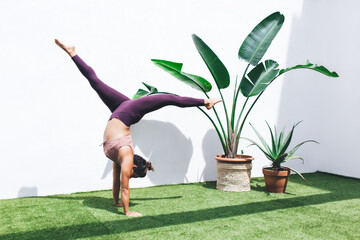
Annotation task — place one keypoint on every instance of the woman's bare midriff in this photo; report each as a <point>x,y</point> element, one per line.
<point>115,129</point>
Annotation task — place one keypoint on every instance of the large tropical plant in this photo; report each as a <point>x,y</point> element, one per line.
<point>277,152</point>
<point>252,84</point>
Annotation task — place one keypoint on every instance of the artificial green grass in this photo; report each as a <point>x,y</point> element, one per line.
<point>326,207</point>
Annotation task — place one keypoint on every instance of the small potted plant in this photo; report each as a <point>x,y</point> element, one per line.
<point>276,176</point>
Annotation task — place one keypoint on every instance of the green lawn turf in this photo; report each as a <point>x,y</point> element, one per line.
<point>326,207</point>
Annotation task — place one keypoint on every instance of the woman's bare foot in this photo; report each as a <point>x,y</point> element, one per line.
<point>118,204</point>
<point>209,103</point>
<point>67,48</point>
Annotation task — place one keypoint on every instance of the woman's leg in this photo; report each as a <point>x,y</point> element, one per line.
<point>154,102</point>
<point>108,95</point>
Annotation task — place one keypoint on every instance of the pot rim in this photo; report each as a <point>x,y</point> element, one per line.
<point>240,158</point>
<point>271,172</point>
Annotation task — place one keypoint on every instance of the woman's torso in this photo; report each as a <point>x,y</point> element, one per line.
<point>115,129</point>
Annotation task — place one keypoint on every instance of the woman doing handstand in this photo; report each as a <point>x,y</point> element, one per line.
<point>125,112</point>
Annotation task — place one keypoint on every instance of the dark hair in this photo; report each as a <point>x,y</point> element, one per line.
<point>141,166</point>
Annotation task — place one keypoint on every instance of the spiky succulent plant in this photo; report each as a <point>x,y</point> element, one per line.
<point>277,153</point>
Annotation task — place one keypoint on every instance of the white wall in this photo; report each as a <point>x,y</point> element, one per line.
<point>326,33</point>
<point>52,121</point>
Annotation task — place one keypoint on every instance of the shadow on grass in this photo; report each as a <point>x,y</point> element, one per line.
<point>209,185</point>
<point>106,203</point>
<point>256,185</point>
<point>123,225</point>
<point>147,222</point>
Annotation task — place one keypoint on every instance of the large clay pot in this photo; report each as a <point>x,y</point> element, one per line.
<point>233,174</point>
<point>276,180</point>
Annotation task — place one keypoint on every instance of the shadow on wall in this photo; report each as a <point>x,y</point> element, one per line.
<point>170,151</point>
<point>211,147</point>
<point>323,35</point>
<point>108,168</point>
<point>28,192</point>
<point>166,147</point>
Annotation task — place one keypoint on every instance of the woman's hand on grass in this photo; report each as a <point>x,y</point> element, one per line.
<point>133,214</point>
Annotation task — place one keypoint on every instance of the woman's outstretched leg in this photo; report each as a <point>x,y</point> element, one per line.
<point>132,111</point>
<point>108,95</point>
<point>151,103</point>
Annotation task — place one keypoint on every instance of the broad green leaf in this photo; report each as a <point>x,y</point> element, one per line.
<point>311,66</point>
<point>172,65</point>
<point>258,41</point>
<point>259,78</point>
<point>150,88</point>
<point>201,81</point>
<point>214,64</point>
<point>299,145</point>
<point>174,69</point>
<point>140,93</point>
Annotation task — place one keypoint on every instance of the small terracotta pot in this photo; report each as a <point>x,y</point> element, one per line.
<point>233,174</point>
<point>276,180</point>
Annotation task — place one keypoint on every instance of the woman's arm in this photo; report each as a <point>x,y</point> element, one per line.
<point>126,167</point>
<point>116,184</point>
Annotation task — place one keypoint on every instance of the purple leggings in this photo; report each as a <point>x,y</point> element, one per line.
<point>127,110</point>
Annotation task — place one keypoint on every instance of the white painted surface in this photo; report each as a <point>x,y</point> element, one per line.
<point>326,34</point>
<point>52,121</point>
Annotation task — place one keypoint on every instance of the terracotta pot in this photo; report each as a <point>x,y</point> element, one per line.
<point>276,180</point>
<point>233,174</point>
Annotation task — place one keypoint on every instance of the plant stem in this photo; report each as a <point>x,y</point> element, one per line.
<point>234,104</point>
<point>225,145</point>
<point>236,140</point>
<point>236,97</point>
<point>252,105</point>
<point>222,128</point>
<point>232,130</point>
<point>247,114</point>
<point>227,118</point>
<point>217,130</point>
<point>241,112</point>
